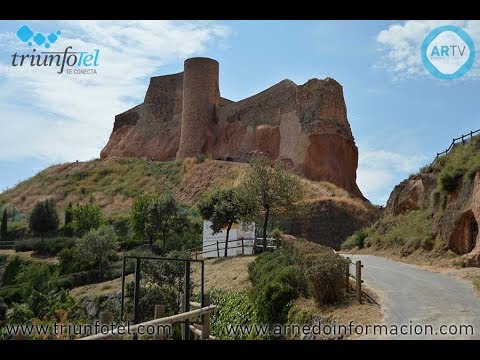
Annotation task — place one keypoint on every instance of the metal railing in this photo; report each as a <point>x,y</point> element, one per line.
<point>245,243</point>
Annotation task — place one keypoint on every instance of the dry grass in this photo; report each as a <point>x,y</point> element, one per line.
<point>230,274</point>
<point>100,289</point>
<point>28,255</point>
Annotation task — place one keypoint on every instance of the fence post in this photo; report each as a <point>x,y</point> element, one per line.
<point>206,318</point>
<point>136,297</point>
<point>463,141</point>
<point>122,305</point>
<point>347,276</point>
<point>471,134</point>
<point>243,250</point>
<point>218,250</point>
<point>186,301</point>
<point>159,313</point>
<point>358,279</point>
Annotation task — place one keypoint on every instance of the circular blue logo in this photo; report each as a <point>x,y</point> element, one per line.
<point>448,52</point>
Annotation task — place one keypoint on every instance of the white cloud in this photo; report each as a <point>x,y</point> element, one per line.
<point>68,117</point>
<point>400,46</point>
<point>379,171</point>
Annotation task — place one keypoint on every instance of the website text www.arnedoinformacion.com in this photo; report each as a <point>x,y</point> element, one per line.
<point>335,329</point>
<point>329,330</point>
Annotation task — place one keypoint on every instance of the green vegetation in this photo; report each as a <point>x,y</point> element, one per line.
<point>273,189</point>
<point>298,269</point>
<point>357,239</point>
<point>3,310</point>
<point>234,307</point>
<point>165,220</point>
<point>4,227</point>
<point>476,284</point>
<point>224,208</point>
<point>98,247</point>
<point>169,170</point>
<point>86,217</point>
<point>44,218</point>
<point>138,216</point>
<point>67,228</point>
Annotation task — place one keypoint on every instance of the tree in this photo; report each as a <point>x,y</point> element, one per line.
<point>138,216</point>
<point>43,218</point>
<point>85,218</point>
<point>224,208</point>
<point>68,230</point>
<point>165,219</point>
<point>275,190</point>
<point>3,227</point>
<point>97,247</point>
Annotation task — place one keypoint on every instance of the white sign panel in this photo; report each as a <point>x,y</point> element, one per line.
<point>214,244</point>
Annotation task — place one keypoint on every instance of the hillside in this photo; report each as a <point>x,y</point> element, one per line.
<point>433,214</point>
<point>113,183</point>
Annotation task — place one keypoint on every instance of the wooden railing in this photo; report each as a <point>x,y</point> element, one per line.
<point>357,279</point>
<point>457,141</point>
<point>245,242</point>
<point>201,330</point>
<point>5,245</point>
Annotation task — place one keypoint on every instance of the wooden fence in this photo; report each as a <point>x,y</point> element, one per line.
<point>357,279</point>
<point>245,243</point>
<point>200,329</point>
<point>456,141</point>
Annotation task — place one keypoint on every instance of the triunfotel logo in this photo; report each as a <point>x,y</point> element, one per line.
<point>448,52</point>
<point>68,60</point>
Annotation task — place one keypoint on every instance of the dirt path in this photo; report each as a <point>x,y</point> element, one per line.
<point>413,296</point>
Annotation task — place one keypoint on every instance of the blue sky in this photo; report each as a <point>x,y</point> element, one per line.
<point>400,114</point>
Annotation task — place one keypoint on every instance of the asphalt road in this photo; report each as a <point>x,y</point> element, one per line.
<point>412,296</point>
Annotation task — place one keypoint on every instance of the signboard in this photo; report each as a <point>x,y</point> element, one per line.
<point>237,232</point>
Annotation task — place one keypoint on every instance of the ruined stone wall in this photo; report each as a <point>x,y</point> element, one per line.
<point>303,126</point>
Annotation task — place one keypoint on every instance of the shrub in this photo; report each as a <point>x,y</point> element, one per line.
<point>12,294</point>
<point>12,269</point>
<point>357,239</point>
<point>52,247</point>
<point>449,178</point>
<point>21,314</point>
<point>85,218</point>
<point>3,310</point>
<point>201,158</point>
<point>277,278</point>
<point>326,278</point>
<point>234,308</point>
<point>24,245</point>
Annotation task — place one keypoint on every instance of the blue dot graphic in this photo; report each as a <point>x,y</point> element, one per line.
<point>59,32</point>
<point>47,45</point>
<point>29,43</point>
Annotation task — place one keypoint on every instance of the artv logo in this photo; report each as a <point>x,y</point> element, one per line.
<point>448,52</point>
<point>73,62</point>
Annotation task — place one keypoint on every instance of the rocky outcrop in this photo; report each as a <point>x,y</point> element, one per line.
<point>303,126</point>
<point>411,194</point>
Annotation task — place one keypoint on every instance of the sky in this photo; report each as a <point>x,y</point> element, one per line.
<point>400,114</point>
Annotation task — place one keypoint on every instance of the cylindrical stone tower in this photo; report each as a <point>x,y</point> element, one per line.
<point>200,95</point>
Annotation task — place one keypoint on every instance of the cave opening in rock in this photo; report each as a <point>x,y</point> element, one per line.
<point>464,238</point>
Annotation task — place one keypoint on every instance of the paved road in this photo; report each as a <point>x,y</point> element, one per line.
<point>415,296</point>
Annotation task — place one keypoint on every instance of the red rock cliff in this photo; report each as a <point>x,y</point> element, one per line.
<point>304,126</point>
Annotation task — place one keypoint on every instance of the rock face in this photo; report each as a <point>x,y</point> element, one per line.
<point>456,224</point>
<point>183,115</point>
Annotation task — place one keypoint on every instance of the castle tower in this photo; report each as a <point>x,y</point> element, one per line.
<point>200,95</point>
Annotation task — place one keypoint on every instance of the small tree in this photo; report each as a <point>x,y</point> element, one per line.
<point>85,218</point>
<point>97,247</point>
<point>275,190</point>
<point>4,226</point>
<point>43,218</point>
<point>68,230</point>
<point>165,219</point>
<point>224,208</point>
<point>139,215</point>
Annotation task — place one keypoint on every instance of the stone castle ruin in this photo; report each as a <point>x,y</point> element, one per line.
<point>183,115</point>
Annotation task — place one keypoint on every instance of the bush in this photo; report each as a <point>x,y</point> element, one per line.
<point>3,310</point>
<point>326,278</point>
<point>21,314</point>
<point>233,308</point>
<point>24,245</point>
<point>201,158</point>
<point>449,178</point>
<point>357,239</point>
<point>12,269</point>
<point>277,278</point>
<point>12,294</point>
<point>52,247</point>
